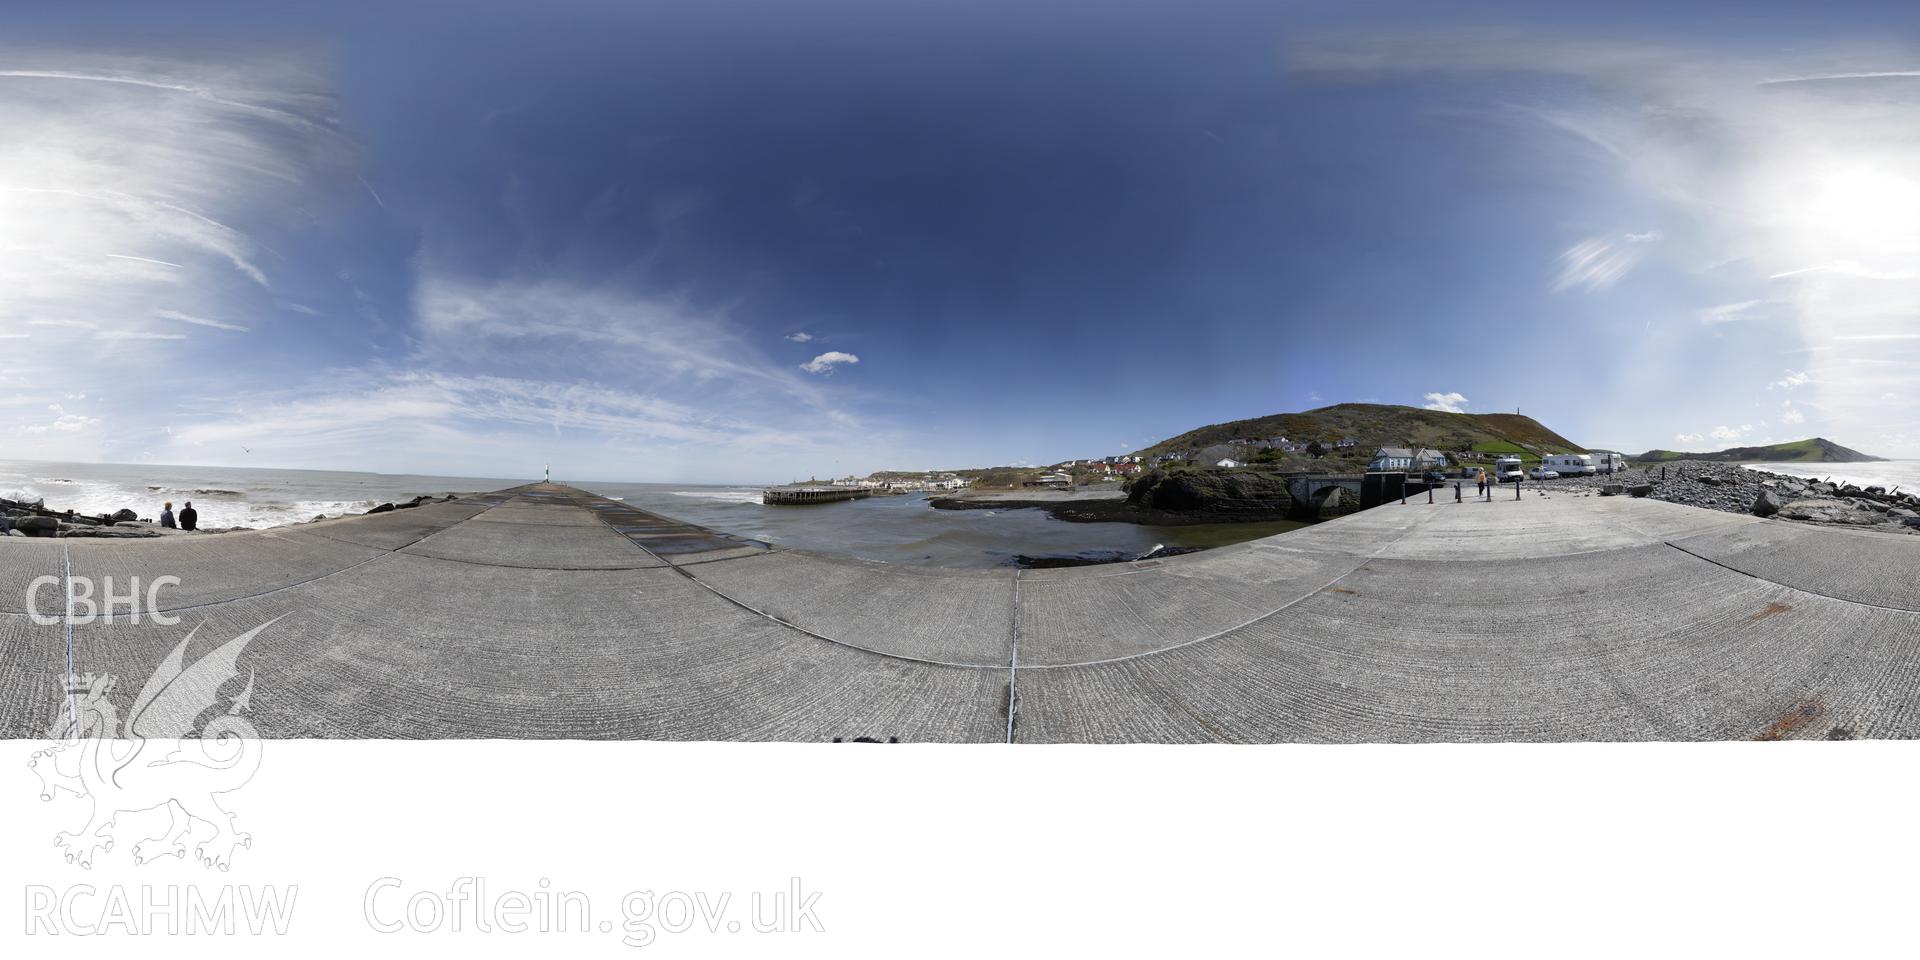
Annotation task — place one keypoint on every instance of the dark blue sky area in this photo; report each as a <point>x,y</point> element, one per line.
<point>1043,232</point>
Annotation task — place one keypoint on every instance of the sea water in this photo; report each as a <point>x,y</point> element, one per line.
<point>1904,474</point>
<point>894,529</point>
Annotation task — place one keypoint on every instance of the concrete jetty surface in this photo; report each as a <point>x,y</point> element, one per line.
<point>547,612</point>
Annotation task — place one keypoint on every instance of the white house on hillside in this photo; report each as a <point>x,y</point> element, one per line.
<point>1404,458</point>
<point>1391,458</point>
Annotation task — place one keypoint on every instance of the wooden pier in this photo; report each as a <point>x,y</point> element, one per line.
<point>812,494</point>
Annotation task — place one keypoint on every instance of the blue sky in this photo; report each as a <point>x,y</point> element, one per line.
<point>749,242</point>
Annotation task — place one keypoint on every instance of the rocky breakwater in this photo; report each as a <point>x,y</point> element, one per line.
<point>1736,489</point>
<point>404,505</point>
<point>19,518</point>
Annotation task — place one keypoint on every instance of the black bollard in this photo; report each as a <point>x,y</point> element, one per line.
<point>1429,493</point>
<point>1456,491</point>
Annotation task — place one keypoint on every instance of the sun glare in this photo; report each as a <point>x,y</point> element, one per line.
<point>1863,211</point>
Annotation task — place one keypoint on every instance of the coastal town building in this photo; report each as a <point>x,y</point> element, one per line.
<point>1407,458</point>
<point>1216,452</point>
<point>1391,458</point>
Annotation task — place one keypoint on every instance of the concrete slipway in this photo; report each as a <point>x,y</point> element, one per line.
<point>544,611</point>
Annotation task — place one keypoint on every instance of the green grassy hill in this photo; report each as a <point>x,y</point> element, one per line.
<point>1815,450</point>
<point>1380,425</point>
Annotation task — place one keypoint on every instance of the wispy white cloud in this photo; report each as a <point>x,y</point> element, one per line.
<point>561,331</point>
<point>161,263</point>
<point>1797,165</point>
<point>599,378</point>
<point>65,423</point>
<point>1790,379</point>
<point>1727,312</point>
<point>800,337</point>
<point>1845,268</point>
<point>1866,75</point>
<point>824,363</point>
<point>200,321</point>
<point>1723,433</point>
<point>463,422</point>
<point>1595,263</point>
<point>1447,402</point>
<point>129,184</point>
<point>138,335</point>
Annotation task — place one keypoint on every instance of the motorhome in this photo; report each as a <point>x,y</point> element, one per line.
<point>1570,464</point>
<point>1608,462</point>
<point>1507,470</point>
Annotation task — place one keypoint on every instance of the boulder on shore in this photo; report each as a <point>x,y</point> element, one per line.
<point>124,514</point>
<point>383,508</point>
<point>37,526</point>
<point>1641,490</point>
<point>1765,505</point>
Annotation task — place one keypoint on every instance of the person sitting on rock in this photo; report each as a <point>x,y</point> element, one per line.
<point>166,515</point>
<point>189,517</point>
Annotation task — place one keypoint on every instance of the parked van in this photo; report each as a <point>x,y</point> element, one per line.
<point>1507,470</point>
<point>1570,464</point>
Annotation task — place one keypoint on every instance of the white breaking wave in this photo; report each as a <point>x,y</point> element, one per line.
<point>725,496</point>
<point>219,507</point>
<point>1904,474</point>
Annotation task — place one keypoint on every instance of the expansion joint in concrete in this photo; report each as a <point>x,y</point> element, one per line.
<point>1013,661</point>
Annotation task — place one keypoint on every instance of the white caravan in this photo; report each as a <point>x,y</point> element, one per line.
<point>1507,470</point>
<point>1570,464</point>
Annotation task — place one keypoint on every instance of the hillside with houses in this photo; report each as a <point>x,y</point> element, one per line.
<point>1354,433</point>
<point>1343,438</point>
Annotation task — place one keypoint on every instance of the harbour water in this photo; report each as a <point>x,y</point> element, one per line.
<point>897,529</point>
<point>1904,474</point>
